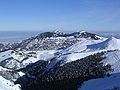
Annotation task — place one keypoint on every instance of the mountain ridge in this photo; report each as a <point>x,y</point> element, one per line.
<point>50,41</point>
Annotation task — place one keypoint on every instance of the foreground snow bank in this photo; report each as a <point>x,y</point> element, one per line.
<point>106,83</point>
<point>7,85</point>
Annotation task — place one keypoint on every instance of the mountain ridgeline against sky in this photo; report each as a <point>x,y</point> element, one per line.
<point>58,61</point>
<point>51,40</point>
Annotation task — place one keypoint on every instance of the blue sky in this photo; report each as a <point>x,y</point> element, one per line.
<point>90,15</point>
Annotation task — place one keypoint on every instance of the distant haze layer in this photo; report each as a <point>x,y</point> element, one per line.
<point>15,36</point>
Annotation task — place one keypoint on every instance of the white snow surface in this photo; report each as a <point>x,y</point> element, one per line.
<point>82,45</point>
<point>25,57</point>
<point>79,50</point>
<point>113,58</point>
<point>7,85</point>
<point>5,55</point>
<point>109,44</point>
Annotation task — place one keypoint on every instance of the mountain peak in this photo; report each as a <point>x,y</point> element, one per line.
<point>57,31</point>
<point>82,32</point>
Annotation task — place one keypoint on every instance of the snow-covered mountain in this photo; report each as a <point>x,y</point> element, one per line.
<point>51,41</point>
<point>16,58</point>
<point>52,56</point>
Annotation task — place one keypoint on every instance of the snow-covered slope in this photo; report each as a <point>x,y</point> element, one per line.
<point>19,59</point>
<point>5,55</point>
<point>82,45</point>
<point>88,47</point>
<point>6,79</point>
<point>109,44</point>
<point>7,85</point>
<point>113,58</point>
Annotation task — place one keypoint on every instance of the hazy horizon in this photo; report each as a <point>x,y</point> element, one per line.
<point>16,36</point>
<point>65,31</point>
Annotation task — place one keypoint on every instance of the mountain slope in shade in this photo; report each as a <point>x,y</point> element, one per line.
<point>107,83</point>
